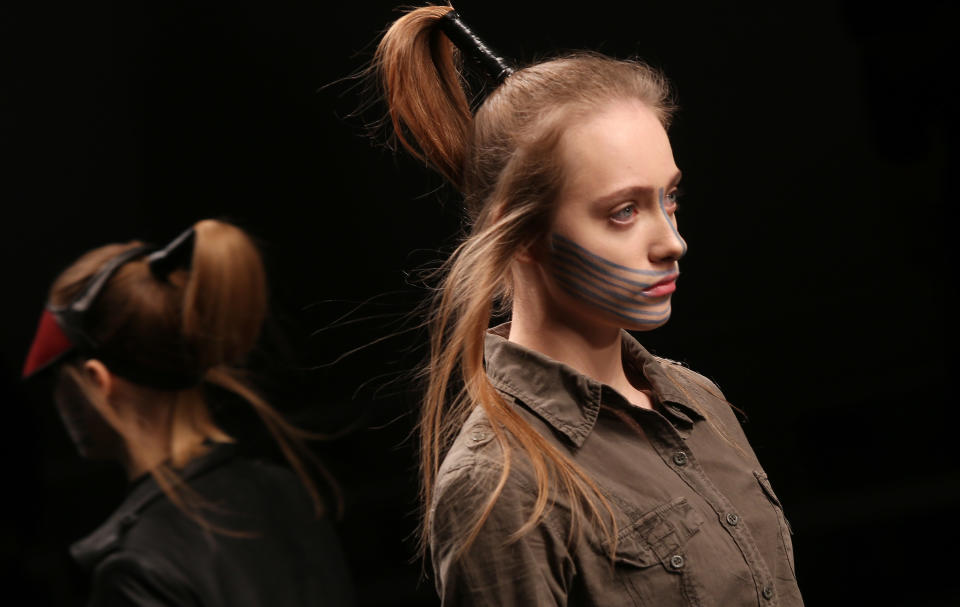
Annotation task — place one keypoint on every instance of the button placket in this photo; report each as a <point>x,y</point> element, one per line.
<point>677,456</point>
<point>683,463</point>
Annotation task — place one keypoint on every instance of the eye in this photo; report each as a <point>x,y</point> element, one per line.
<point>625,214</point>
<point>672,200</point>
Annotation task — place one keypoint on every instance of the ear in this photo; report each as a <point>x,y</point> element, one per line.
<point>99,376</point>
<point>104,386</point>
<point>105,399</point>
<point>525,255</point>
<point>534,252</point>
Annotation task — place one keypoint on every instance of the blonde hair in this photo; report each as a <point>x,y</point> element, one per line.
<point>201,322</point>
<point>504,162</point>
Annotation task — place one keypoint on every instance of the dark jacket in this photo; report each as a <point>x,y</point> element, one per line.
<point>698,522</point>
<point>276,551</point>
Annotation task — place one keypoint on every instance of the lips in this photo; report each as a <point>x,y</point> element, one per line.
<point>664,287</point>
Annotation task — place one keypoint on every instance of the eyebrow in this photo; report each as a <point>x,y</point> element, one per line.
<point>633,191</point>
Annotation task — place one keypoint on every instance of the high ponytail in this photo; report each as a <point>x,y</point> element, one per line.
<point>225,298</point>
<point>434,123</point>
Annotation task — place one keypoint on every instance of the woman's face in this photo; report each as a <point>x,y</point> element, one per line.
<point>611,254</point>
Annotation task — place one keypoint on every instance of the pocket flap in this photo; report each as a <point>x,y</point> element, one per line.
<point>767,488</point>
<point>658,535</point>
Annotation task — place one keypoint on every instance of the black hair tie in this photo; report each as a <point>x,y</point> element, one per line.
<point>177,254</point>
<point>473,47</point>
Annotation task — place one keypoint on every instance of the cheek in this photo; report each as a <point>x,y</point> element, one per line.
<point>75,421</point>
<point>89,432</point>
<point>619,291</point>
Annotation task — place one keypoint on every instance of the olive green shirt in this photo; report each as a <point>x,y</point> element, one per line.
<point>698,522</point>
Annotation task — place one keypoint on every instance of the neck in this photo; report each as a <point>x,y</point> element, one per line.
<point>596,354</point>
<point>586,345</point>
<point>592,349</point>
<point>143,453</point>
<point>146,431</point>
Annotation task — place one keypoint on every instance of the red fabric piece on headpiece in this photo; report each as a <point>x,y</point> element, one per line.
<point>49,344</point>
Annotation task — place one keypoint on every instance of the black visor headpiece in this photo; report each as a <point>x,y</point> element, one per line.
<point>63,329</point>
<point>473,48</point>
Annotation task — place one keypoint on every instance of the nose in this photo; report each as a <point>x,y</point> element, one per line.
<point>667,246</point>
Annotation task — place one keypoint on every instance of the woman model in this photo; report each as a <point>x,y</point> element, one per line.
<point>133,337</point>
<point>562,463</point>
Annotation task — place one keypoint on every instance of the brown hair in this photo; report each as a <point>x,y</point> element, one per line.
<point>200,322</point>
<point>504,161</point>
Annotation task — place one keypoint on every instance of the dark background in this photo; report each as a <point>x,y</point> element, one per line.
<point>815,143</point>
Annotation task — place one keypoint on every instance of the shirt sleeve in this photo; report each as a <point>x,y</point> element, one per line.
<point>535,569</point>
<point>123,580</point>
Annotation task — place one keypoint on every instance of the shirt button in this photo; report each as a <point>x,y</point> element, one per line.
<point>676,561</point>
<point>768,592</point>
<point>733,518</point>
<point>680,458</point>
<point>478,435</point>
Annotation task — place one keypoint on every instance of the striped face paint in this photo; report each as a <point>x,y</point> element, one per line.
<point>634,296</point>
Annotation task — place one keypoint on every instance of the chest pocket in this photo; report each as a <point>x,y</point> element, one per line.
<point>652,559</point>
<point>785,530</point>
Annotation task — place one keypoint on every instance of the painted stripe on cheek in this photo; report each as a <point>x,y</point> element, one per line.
<point>562,258</point>
<point>596,285</point>
<point>616,310</point>
<point>564,242</point>
<point>586,276</point>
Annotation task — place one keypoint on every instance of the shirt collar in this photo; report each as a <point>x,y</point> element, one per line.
<point>568,400</point>
<point>90,550</point>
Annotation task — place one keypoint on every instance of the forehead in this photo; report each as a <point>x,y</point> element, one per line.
<point>621,145</point>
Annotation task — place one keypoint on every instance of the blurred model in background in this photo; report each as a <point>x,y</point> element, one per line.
<point>134,338</point>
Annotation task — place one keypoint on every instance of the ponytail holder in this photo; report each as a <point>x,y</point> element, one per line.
<point>63,329</point>
<point>177,254</point>
<point>473,47</point>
